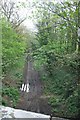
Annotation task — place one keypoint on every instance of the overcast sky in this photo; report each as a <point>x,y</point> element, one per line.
<point>27,11</point>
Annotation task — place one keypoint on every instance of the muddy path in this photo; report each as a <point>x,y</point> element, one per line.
<point>32,100</point>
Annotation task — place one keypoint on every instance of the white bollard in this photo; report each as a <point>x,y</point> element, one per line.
<point>22,88</point>
<point>25,87</point>
<point>28,88</point>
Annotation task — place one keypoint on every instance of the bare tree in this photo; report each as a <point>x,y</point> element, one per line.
<point>10,10</point>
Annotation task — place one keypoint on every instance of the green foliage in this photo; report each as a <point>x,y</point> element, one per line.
<point>55,101</point>
<point>57,55</point>
<point>13,95</point>
<point>63,86</point>
<point>13,47</point>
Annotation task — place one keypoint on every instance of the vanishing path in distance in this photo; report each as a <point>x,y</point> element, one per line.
<point>33,100</point>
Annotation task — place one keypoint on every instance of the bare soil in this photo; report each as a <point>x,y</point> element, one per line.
<point>33,101</point>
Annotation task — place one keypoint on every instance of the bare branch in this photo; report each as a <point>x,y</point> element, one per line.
<point>19,23</point>
<point>11,12</point>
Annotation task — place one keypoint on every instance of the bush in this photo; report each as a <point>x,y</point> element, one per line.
<point>12,94</point>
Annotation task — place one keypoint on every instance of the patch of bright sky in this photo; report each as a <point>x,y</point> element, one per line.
<point>28,11</point>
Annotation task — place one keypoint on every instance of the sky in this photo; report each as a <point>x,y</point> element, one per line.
<point>27,11</point>
<point>28,22</point>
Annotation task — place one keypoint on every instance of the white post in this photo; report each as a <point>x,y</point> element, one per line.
<point>28,88</point>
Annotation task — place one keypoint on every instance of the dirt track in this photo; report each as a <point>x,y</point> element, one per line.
<point>32,101</point>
